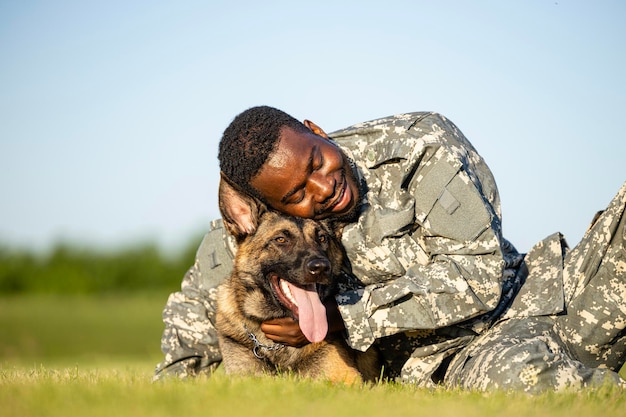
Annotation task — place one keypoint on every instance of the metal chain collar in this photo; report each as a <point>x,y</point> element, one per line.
<point>259,347</point>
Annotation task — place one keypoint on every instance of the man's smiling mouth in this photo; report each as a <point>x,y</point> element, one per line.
<point>339,202</point>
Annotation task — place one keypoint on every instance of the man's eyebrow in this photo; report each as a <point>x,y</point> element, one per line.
<point>297,188</point>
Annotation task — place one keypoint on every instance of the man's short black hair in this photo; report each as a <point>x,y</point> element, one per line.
<point>249,140</point>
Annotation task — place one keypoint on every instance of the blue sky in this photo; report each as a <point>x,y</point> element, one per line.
<point>111,112</point>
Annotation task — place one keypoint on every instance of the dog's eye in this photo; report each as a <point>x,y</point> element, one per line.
<point>322,238</point>
<point>280,239</point>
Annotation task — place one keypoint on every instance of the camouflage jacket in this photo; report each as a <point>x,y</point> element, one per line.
<point>430,267</point>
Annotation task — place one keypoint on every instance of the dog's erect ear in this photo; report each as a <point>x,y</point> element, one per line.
<point>240,212</point>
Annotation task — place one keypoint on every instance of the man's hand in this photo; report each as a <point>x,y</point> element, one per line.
<point>287,330</point>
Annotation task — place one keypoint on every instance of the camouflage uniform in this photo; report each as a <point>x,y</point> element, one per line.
<point>434,284</point>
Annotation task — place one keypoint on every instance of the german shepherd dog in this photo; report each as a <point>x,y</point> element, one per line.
<point>284,267</point>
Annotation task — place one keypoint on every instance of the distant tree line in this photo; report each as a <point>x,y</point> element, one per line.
<point>77,270</point>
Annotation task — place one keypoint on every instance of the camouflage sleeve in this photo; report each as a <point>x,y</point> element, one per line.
<point>450,289</point>
<point>189,340</point>
<point>428,248</point>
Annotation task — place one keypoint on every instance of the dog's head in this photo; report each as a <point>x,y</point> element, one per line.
<point>284,265</point>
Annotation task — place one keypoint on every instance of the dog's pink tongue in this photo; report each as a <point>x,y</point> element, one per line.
<point>311,313</point>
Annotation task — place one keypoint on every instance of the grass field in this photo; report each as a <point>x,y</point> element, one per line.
<point>94,356</point>
<point>80,328</point>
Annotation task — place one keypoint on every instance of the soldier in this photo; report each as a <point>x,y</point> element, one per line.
<point>434,284</point>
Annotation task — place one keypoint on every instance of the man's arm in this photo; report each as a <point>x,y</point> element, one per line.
<point>451,289</point>
<point>428,246</point>
<point>189,340</point>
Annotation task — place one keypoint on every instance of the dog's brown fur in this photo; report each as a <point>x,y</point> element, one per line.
<point>300,251</point>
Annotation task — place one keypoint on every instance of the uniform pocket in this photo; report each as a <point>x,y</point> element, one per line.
<point>447,202</point>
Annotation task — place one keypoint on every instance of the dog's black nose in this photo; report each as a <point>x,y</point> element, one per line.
<point>318,268</point>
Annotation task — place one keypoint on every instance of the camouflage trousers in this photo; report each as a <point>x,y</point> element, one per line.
<point>580,347</point>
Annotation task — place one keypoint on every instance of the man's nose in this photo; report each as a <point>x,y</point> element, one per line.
<point>322,186</point>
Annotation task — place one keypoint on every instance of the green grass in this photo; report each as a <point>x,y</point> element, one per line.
<point>81,328</point>
<point>94,356</point>
<point>129,392</point>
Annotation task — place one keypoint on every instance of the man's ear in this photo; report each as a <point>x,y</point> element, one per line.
<point>315,129</point>
<point>240,212</point>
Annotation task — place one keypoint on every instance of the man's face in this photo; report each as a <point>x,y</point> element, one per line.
<point>308,176</point>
